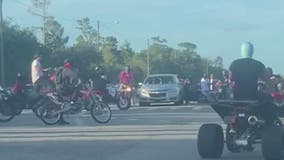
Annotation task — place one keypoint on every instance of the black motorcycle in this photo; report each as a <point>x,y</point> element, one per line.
<point>193,92</point>
<point>12,105</point>
<point>247,123</point>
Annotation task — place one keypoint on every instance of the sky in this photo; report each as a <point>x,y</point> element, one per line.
<point>217,27</point>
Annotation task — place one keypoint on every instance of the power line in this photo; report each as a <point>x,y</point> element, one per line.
<point>43,15</point>
<point>26,6</point>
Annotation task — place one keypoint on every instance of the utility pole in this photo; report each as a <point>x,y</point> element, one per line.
<point>148,57</point>
<point>2,45</point>
<point>43,23</point>
<point>207,66</point>
<point>43,6</point>
<point>98,35</point>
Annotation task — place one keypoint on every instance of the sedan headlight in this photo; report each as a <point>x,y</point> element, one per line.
<point>144,92</point>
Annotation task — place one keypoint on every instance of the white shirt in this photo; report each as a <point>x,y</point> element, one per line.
<point>204,84</point>
<point>36,70</point>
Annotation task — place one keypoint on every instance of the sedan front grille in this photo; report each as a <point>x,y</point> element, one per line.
<point>157,94</point>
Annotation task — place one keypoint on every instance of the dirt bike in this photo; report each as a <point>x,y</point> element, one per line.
<point>88,99</point>
<point>12,105</point>
<point>246,125</point>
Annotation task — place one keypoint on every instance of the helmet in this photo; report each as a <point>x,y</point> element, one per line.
<point>247,50</point>
<point>19,75</point>
<point>66,61</point>
<point>99,69</point>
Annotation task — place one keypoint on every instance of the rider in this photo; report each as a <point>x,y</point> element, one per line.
<point>126,77</point>
<point>66,80</point>
<point>100,82</point>
<point>245,73</point>
<point>204,85</point>
<point>276,81</point>
<point>224,85</point>
<point>37,72</point>
<point>19,85</point>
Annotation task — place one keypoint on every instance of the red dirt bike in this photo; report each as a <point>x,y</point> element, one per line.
<point>85,98</point>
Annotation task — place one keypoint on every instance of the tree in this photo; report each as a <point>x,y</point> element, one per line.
<point>88,36</point>
<point>110,53</point>
<point>159,40</point>
<point>54,35</point>
<point>126,52</point>
<point>20,46</point>
<point>188,46</point>
<point>218,62</point>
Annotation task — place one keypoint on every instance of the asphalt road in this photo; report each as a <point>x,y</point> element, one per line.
<point>141,133</point>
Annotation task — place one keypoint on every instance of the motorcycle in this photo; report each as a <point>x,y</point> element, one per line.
<point>278,96</point>
<point>222,91</point>
<point>12,105</point>
<point>121,97</point>
<point>88,99</point>
<point>193,93</point>
<point>246,125</point>
<point>124,97</point>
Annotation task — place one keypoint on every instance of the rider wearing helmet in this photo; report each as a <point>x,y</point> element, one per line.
<point>100,81</point>
<point>18,87</point>
<point>245,73</point>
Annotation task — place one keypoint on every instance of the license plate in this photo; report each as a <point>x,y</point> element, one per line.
<point>241,115</point>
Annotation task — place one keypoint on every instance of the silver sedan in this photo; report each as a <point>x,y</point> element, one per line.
<point>161,88</point>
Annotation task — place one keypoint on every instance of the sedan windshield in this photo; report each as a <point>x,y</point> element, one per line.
<point>160,80</point>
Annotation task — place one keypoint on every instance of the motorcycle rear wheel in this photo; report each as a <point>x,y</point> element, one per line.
<point>5,114</point>
<point>6,118</point>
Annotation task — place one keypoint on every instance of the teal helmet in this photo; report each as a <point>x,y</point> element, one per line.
<point>247,50</point>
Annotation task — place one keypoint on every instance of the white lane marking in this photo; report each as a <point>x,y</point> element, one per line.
<point>127,132</point>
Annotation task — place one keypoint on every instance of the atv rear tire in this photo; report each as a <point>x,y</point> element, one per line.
<point>210,141</point>
<point>272,143</point>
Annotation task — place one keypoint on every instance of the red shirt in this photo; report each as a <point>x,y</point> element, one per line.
<point>126,77</point>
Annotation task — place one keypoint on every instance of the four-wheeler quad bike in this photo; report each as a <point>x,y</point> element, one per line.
<point>246,126</point>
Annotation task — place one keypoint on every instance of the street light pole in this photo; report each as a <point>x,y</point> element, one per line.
<point>148,57</point>
<point>2,45</point>
<point>98,36</point>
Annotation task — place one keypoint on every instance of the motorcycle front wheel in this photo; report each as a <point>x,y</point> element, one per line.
<point>101,112</point>
<point>123,102</point>
<point>50,113</point>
